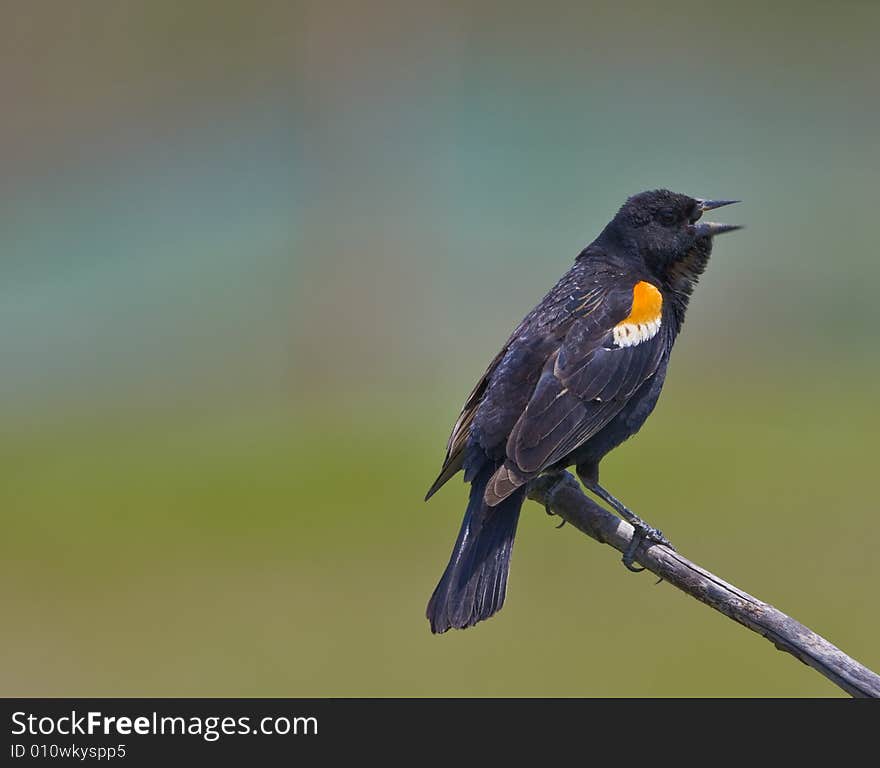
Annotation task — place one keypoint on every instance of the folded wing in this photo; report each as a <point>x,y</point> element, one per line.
<point>604,358</point>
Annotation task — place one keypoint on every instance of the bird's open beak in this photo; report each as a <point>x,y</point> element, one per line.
<point>710,228</point>
<point>711,205</point>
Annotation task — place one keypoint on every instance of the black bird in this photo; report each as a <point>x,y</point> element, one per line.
<point>578,376</point>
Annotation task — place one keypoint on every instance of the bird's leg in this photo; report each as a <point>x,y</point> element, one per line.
<point>642,531</point>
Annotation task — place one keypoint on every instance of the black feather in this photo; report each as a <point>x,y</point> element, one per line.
<point>562,392</point>
<point>474,583</point>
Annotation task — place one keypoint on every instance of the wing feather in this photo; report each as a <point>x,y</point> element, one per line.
<point>582,387</point>
<point>558,380</point>
<point>455,446</point>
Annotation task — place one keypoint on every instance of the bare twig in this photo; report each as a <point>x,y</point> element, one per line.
<point>566,499</point>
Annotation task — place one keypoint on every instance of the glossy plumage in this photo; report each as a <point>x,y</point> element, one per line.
<point>569,385</point>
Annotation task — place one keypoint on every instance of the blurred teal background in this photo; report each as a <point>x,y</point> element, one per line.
<point>253,257</point>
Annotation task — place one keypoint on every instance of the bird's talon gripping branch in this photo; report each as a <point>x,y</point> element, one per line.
<point>643,534</point>
<point>629,556</point>
<point>551,484</point>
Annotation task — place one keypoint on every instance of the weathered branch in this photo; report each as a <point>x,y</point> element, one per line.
<point>567,500</point>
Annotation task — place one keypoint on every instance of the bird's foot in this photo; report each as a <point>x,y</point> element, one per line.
<point>643,533</point>
<point>550,485</point>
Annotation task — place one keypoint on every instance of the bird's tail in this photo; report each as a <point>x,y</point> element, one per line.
<point>473,585</point>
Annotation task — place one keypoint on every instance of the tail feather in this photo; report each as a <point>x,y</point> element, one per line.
<point>474,583</point>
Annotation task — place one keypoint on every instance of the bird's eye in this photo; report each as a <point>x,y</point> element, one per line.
<point>667,217</point>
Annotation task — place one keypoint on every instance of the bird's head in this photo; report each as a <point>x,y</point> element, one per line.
<point>666,230</point>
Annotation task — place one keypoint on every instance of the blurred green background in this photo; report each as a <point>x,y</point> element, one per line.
<point>253,257</point>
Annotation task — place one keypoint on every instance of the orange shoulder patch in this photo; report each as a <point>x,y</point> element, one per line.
<point>647,303</point>
<point>643,321</point>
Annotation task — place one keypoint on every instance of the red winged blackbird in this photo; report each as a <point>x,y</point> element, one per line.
<point>578,376</point>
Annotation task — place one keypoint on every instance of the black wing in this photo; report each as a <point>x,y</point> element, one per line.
<point>582,386</point>
<point>457,442</point>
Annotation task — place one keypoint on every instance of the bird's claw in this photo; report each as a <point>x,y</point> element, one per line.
<point>641,534</point>
<point>549,510</point>
<point>552,484</point>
